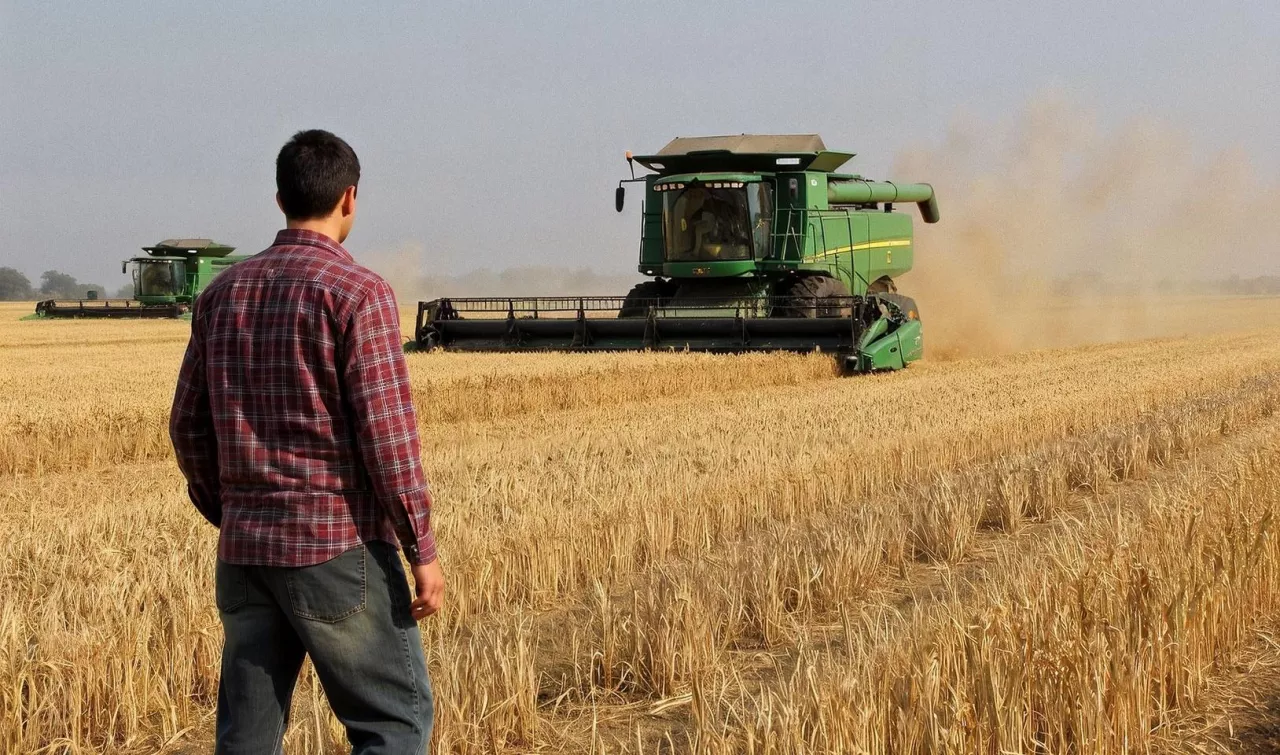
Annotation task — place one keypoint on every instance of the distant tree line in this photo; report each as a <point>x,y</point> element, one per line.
<point>14,286</point>
<point>1264,285</point>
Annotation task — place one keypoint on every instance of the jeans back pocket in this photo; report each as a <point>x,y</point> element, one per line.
<point>230,586</point>
<point>330,591</point>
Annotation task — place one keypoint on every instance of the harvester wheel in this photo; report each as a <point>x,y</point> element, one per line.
<point>883,285</point>
<point>807,294</point>
<point>644,295</point>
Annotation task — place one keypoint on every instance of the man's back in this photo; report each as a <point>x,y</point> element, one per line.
<point>285,341</point>
<point>272,330</point>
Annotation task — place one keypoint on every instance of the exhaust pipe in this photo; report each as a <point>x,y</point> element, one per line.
<point>865,192</point>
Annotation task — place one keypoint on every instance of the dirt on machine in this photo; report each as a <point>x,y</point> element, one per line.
<point>753,243</point>
<point>165,283</point>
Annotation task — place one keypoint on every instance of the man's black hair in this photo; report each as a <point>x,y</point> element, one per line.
<point>312,171</point>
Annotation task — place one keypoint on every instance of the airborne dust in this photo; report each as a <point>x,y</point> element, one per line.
<point>1057,232</point>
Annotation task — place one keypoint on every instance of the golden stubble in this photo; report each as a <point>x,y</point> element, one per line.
<point>690,552</point>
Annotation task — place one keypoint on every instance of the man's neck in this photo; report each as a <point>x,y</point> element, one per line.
<point>330,226</point>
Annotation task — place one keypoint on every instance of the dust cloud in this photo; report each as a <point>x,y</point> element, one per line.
<point>1056,231</point>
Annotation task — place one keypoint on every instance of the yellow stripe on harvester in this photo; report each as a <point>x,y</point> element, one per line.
<point>859,247</point>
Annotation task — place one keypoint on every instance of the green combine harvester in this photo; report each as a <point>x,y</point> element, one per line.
<point>165,283</point>
<point>754,243</point>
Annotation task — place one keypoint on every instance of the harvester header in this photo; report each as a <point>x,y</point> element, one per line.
<point>753,242</point>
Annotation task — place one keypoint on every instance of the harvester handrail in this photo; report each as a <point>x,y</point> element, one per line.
<point>516,306</point>
<point>97,303</point>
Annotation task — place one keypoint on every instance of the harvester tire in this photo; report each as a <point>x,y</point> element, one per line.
<point>883,285</point>
<point>639,298</point>
<point>813,288</point>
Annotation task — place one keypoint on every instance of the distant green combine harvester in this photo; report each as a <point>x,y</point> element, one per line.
<point>165,283</point>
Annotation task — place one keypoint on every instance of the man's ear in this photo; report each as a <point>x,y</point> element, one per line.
<point>349,201</point>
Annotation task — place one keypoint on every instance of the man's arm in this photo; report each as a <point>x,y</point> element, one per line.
<point>377,389</point>
<point>192,433</point>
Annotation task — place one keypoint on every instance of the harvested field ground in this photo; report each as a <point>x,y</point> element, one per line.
<point>1069,550</point>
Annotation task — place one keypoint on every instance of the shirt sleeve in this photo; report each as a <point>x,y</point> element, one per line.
<point>377,389</point>
<point>192,433</point>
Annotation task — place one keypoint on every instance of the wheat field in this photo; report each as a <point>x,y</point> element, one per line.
<point>1067,550</point>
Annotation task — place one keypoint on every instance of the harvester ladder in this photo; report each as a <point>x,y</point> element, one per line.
<point>790,236</point>
<point>581,336</point>
<point>650,338</point>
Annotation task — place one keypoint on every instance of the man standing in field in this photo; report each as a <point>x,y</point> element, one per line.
<point>294,427</point>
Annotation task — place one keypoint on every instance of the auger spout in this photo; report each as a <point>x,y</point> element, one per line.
<point>865,192</point>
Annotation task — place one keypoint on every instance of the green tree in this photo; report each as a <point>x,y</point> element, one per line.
<point>14,286</point>
<point>56,285</point>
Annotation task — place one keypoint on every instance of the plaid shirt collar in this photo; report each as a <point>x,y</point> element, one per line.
<point>303,237</point>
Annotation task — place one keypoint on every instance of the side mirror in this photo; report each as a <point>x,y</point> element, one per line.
<point>619,197</point>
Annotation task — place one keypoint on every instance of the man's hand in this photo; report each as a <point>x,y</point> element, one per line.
<point>428,582</point>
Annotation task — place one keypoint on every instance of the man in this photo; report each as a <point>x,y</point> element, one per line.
<point>294,427</point>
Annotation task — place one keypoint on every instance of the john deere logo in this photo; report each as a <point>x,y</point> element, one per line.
<point>701,270</point>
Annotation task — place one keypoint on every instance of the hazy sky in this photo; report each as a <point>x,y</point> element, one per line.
<point>492,134</point>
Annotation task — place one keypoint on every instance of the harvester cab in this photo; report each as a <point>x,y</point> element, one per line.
<point>753,243</point>
<point>165,283</point>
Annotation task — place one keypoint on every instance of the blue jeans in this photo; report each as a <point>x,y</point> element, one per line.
<point>351,615</point>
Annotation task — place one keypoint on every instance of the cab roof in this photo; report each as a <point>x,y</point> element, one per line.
<point>201,247</point>
<point>745,152</point>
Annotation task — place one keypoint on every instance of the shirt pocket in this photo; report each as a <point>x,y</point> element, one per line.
<point>230,586</point>
<point>330,591</point>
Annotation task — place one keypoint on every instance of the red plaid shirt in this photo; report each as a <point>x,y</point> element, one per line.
<point>292,420</point>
